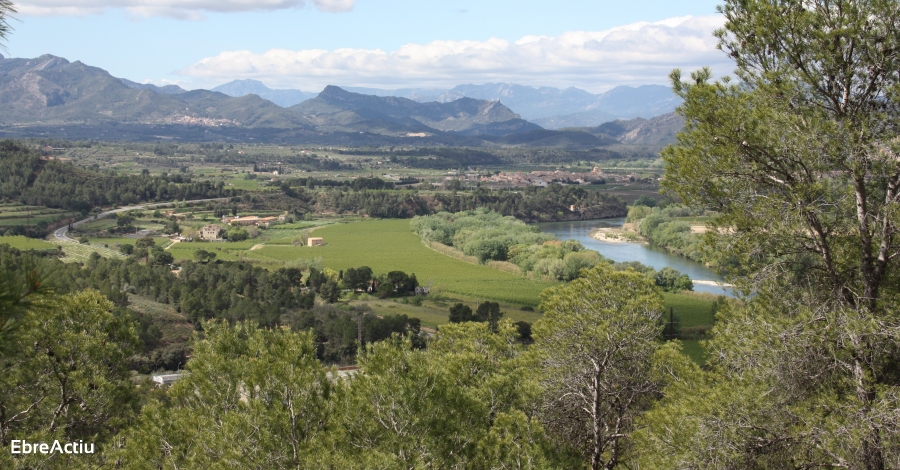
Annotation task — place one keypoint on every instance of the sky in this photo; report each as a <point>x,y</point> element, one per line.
<point>594,45</point>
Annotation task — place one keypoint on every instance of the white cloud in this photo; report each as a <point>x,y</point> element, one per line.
<point>187,9</point>
<point>634,54</point>
<point>334,6</point>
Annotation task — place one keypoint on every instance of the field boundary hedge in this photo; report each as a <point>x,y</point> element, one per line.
<point>452,252</point>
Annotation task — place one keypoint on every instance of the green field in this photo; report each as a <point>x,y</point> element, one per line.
<point>112,241</point>
<point>78,252</point>
<point>695,313</point>
<point>228,251</point>
<point>383,245</point>
<point>24,243</point>
<point>389,245</point>
<point>73,251</point>
<point>12,214</point>
<point>693,309</point>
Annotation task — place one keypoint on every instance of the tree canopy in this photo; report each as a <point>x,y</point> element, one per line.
<point>799,156</point>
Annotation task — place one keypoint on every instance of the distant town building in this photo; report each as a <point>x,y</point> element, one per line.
<point>210,232</point>
<point>314,241</point>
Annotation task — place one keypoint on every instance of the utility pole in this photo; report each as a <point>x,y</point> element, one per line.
<point>671,322</point>
<point>359,332</point>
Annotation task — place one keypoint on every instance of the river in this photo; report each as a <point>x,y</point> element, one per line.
<point>581,230</point>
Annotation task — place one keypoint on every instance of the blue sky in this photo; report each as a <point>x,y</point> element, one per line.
<point>306,44</point>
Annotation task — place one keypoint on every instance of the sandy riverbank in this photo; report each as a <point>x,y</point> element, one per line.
<point>711,283</point>
<point>613,235</point>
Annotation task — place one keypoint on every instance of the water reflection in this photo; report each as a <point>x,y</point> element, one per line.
<point>581,230</point>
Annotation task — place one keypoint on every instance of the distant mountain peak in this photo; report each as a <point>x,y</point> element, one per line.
<point>249,86</point>
<point>334,90</point>
<point>48,61</point>
<point>161,90</point>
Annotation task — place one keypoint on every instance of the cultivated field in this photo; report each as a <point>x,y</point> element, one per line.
<point>24,243</point>
<point>389,245</point>
<point>12,214</point>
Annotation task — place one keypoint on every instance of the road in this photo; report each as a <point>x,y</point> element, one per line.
<point>61,233</point>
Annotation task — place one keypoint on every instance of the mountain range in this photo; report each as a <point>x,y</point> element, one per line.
<point>50,96</point>
<point>551,108</point>
<point>339,109</point>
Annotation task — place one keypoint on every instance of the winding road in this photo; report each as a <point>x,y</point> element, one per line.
<point>61,234</point>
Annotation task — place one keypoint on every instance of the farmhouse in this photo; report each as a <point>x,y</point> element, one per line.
<point>314,241</point>
<point>210,232</point>
<point>265,221</point>
<point>248,220</point>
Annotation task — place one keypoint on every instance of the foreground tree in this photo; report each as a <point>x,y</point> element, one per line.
<point>6,9</point>
<point>464,402</point>
<point>596,345</point>
<point>253,399</point>
<point>68,379</point>
<point>17,295</point>
<point>801,158</point>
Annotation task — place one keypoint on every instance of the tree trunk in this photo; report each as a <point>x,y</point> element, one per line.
<point>597,452</point>
<point>871,446</point>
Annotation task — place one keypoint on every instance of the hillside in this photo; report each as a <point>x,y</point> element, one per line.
<point>50,90</point>
<point>657,131</point>
<point>341,110</point>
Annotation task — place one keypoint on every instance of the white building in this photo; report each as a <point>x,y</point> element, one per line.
<point>166,379</point>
